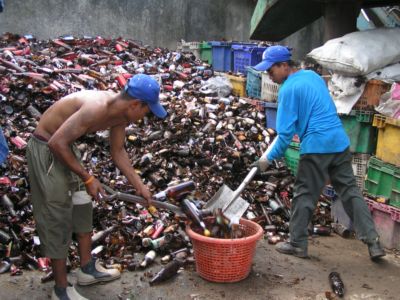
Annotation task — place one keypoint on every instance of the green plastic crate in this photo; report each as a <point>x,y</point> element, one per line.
<point>383,179</point>
<point>358,126</point>
<point>206,52</point>
<point>292,157</point>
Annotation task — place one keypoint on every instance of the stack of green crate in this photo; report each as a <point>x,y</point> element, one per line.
<point>383,177</point>
<point>206,52</point>
<point>292,157</point>
<point>362,135</point>
<point>383,180</point>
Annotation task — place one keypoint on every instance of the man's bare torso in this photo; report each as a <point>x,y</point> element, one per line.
<point>96,101</point>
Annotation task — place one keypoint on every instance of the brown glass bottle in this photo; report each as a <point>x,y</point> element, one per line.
<point>176,192</point>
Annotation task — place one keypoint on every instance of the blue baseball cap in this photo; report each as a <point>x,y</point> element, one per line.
<point>272,55</point>
<point>145,88</point>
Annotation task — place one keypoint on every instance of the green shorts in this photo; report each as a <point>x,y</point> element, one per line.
<point>61,205</point>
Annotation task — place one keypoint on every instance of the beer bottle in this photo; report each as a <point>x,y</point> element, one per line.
<point>321,230</point>
<point>177,191</point>
<point>194,215</point>
<point>9,205</point>
<point>5,238</point>
<point>148,258</point>
<point>341,230</point>
<point>157,243</point>
<point>167,272</point>
<point>99,236</point>
<point>336,284</point>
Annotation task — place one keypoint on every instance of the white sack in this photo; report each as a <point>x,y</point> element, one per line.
<point>345,92</point>
<point>361,52</point>
<point>389,74</point>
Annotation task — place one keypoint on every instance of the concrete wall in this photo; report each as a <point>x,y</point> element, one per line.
<point>155,22</point>
<point>306,39</point>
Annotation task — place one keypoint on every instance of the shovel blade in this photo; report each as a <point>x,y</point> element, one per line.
<point>223,199</point>
<point>236,209</point>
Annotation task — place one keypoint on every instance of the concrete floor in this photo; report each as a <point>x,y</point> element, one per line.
<point>273,276</point>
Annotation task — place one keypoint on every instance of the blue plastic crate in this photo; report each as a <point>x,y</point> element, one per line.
<point>249,44</point>
<point>221,56</point>
<point>253,85</point>
<point>270,114</point>
<point>245,56</point>
<point>329,192</point>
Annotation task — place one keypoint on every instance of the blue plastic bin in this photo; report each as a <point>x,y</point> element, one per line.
<point>270,114</point>
<point>222,56</point>
<point>253,85</point>
<point>244,56</point>
<point>248,44</point>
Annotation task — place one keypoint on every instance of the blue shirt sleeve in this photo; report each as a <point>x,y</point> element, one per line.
<point>287,116</point>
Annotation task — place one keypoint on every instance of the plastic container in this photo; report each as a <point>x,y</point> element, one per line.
<point>193,47</point>
<point>206,52</point>
<point>248,44</point>
<point>253,85</point>
<point>270,114</point>
<point>360,164</point>
<point>238,85</point>
<point>329,192</point>
<point>221,56</point>
<point>372,92</point>
<point>245,56</point>
<point>339,215</point>
<point>292,157</point>
<point>387,223</point>
<point>388,146</point>
<point>269,89</point>
<point>383,179</point>
<point>358,126</point>
<point>225,260</point>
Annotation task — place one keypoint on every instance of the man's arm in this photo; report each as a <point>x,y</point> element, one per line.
<point>60,145</point>
<point>287,116</point>
<point>122,161</point>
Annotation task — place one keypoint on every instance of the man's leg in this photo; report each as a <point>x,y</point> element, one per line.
<point>91,271</point>
<point>344,182</point>
<point>311,177</point>
<point>60,272</point>
<point>85,246</point>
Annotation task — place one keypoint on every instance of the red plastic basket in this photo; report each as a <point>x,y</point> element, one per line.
<point>225,260</point>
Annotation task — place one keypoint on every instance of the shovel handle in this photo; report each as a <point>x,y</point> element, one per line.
<point>140,200</point>
<point>244,183</point>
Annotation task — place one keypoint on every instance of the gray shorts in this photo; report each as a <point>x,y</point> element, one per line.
<point>60,202</point>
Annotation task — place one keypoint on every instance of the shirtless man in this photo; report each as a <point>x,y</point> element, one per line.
<point>62,189</point>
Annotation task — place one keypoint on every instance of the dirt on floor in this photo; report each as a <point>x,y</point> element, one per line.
<point>273,276</point>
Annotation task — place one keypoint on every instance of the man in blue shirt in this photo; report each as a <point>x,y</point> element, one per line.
<point>305,108</point>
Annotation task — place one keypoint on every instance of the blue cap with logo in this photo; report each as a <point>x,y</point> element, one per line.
<point>273,55</point>
<point>145,88</point>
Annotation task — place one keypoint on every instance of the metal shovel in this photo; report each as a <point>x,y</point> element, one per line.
<point>233,206</point>
<point>140,200</point>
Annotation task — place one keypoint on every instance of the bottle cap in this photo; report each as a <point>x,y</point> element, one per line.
<point>152,209</point>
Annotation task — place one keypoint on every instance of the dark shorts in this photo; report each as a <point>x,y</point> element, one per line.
<point>60,202</point>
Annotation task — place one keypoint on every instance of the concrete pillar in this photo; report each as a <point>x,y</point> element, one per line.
<point>340,17</point>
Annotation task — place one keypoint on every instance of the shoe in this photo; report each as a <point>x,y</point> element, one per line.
<point>375,250</point>
<point>288,248</point>
<point>94,272</point>
<point>66,294</point>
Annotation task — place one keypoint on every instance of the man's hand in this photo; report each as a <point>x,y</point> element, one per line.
<point>94,188</point>
<point>143,191</point>
<point>261,164</point>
